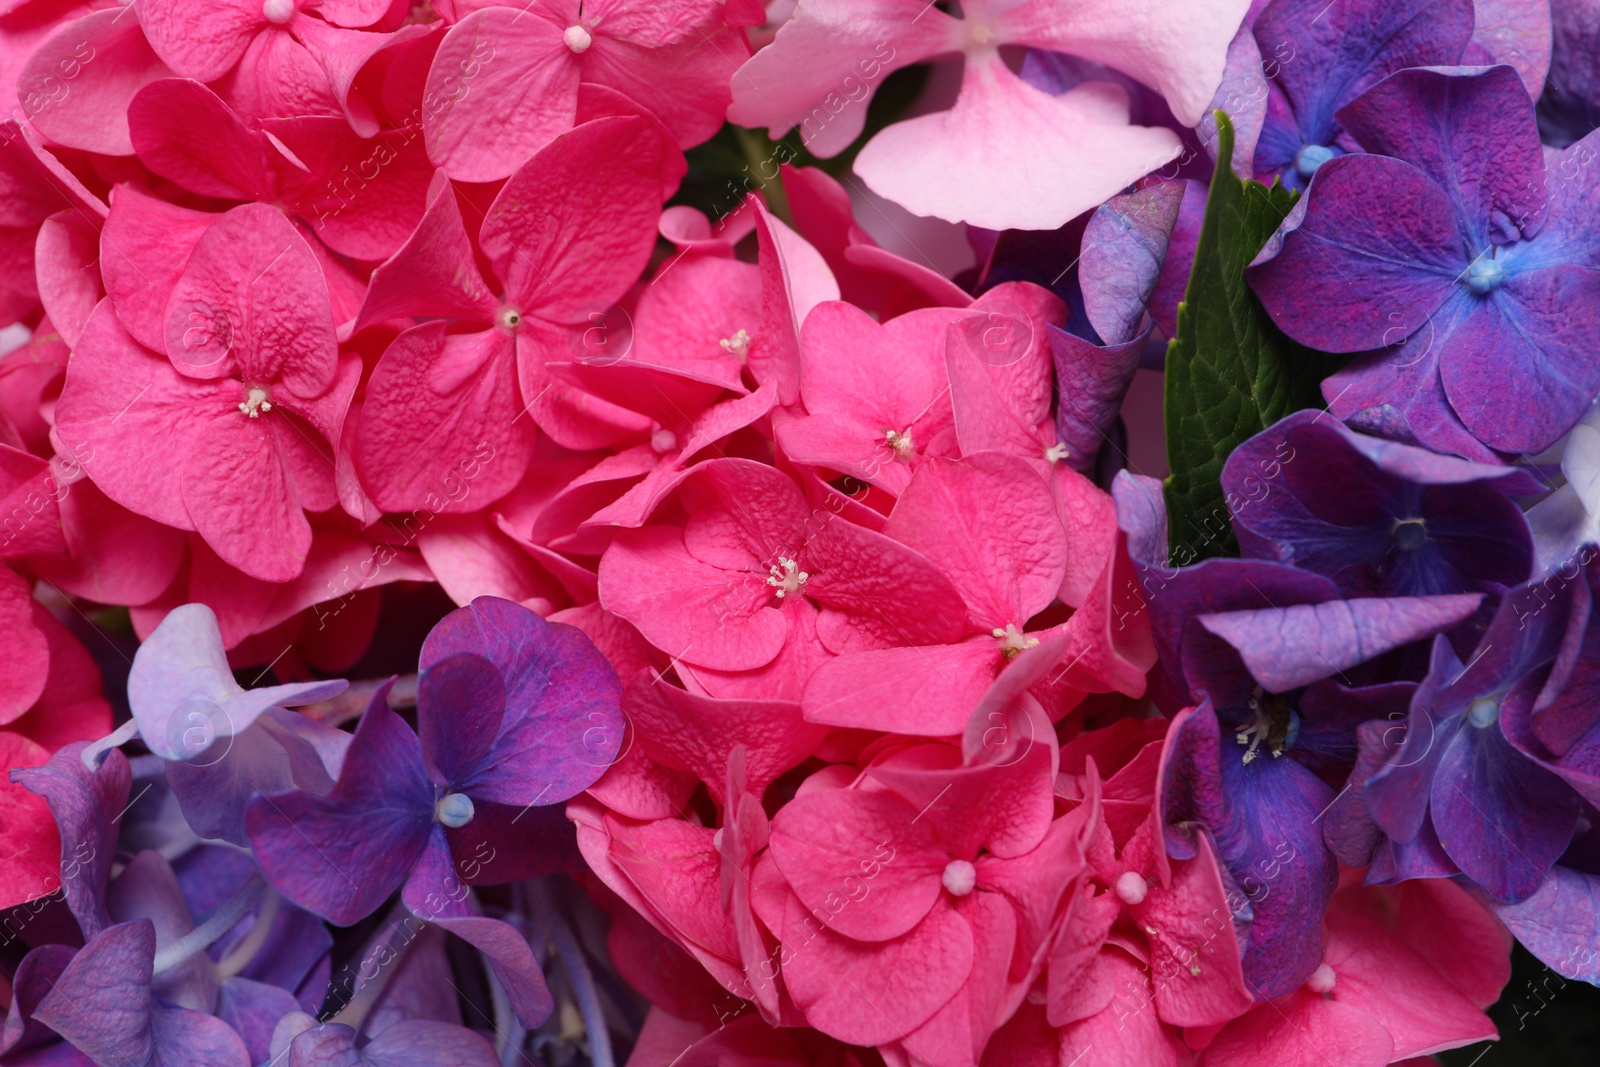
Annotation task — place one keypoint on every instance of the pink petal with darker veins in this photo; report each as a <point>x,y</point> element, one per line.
<point>438,404</point>
<point>201,39</point>
<point>241,500</point>
<point>68,271</point>
<point>105,57</point>
<point>144,247</point>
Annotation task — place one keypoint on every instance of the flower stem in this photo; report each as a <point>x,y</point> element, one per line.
<point>207,933</point>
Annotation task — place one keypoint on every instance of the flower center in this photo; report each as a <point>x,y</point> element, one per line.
<point>1484,276</point>
<point>1311,157</point>
<point>256,400</point>
<point>1013,642</point>
<point>738,344</point>
<point>786,577</point>
<point>577,38</point>
<point>960,877</point>
<point>1275,725</point>
<point>1057,452</point>
<point>509,318</point>
<point>454,810</point>
<point>900,444</point>
<point>1410,534</point>
<point>1484,712</point>
<point>663,441</point>
<point>1322,979</point>
<point>277,12</point>
<point>1131,887</point>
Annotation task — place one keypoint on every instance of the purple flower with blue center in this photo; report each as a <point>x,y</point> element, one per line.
<point>514,714</point>
<point>1378,517</point>
<point>1321,56</point>
<point>1278,666</point>
<point>1449,788</point>
<point>1463,267</point>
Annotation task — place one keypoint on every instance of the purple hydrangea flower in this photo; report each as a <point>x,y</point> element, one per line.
<point>1448,788</point>
<point>1464,268</point>
<point>1277,666</point>
<point>1378,517</point>
<point>1321,56</point>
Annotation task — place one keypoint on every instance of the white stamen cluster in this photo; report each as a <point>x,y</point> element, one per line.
<point>1256,732</point>
<point>1013,642</point>
<point>900,444</point>
<point>738,344</point>
<point>1057,452</point>
<point>786,577</point>
<point>255,402</point>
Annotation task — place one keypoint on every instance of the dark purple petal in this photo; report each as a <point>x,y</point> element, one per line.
<point>1557,923</point>
<point>1262,817</point>
<point>1331,715</point>
<point>1310,492</point>
<point>1091,383</point>
<point>1473,133</point>
<point>461,704</point>
<point>1179,261</point>
<point>504,844</point>
<point>1568,233</point>
<point>1288,647</point>
<point>1321,57</point>
<point>563,724</point>
<point>1521,369</point>
<point>342,854</point>
<point>1376,253</point>
<point>1397,791</point>
<point>1502,818</point>
<point>87,806</point>
<point>414,1043</point>
<point>1124,245</point>
<point>1421,857</point>
<point>436,894</point>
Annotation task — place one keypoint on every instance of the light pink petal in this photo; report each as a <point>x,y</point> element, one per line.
<point>144,247</point>
<point>699,611</point>
<point>989,522</point>
<point>1010,156</point>
<point>929,692</point>
<point>440,406</point>
<point>240,499</point>
<point>823,66</point>
<point>253,300</point>
<point>870,993</point>
<point>1000,393</point>
<point>104,60</point>
<point>1461,938</point>
<point>183,131</point>
<point>68,271</point>
<point>433,274</point>
<point>201,39</point>
<point>575,225</point>
<point>507,86</point>
<point>1179,53</point>
<point>131,411</point>
<point>696,733</point>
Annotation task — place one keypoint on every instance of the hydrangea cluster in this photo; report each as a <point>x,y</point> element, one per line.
<point>465,603</point>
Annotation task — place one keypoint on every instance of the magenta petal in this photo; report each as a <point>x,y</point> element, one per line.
<point>106,58</point>
<point>237,491</point>
<point>434,272</point>
<point>201,39</point>
<point>449,401</point>
<point>836,842</point>
<point>183,131</point>
<point>928,691</point>
<point>342,854</point>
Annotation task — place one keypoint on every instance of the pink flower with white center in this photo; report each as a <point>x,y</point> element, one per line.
<point>511,76</point>
<point>1006,155</point>
<point>231,433</point>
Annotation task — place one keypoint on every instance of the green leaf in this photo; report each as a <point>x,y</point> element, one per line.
<point>1230,372</point>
